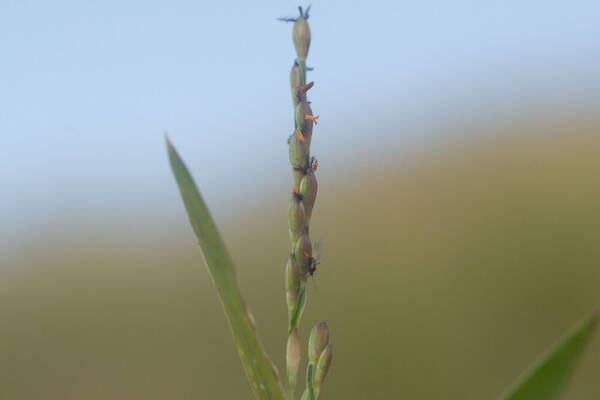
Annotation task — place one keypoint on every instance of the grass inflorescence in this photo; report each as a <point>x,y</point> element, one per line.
<point>302,261</point>
<point>545,379</point>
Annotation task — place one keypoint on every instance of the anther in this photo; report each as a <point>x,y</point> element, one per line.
<point>297,194</point>
<point>303,89</point>
<point>311,118</point>
<point>300,135</point>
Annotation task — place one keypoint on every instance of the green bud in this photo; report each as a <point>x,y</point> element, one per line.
<point>295,81</point>
<point>308,190</point>
<point>323,366</point>
<point>303,251</point>
<point>296,218</point>
<point>301,37</point>
<point>298,151</point>
<point>293,356</point>
<point>318,339</point>
<point>292,282</point>
<point>298,156</point>
<point>299,117</point>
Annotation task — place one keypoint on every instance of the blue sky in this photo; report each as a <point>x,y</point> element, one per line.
<point>87,89</point>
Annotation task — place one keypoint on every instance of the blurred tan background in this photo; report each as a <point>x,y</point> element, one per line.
<point>443,276</point>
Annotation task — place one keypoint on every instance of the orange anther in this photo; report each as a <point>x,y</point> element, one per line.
<point>300,135</point>
<point>296,189</point>
<point>312,118</point>
<point>303,89</point>
<point>316,165</point>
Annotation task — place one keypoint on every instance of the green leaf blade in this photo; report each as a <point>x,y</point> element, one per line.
<point>547,378</point>
<point>260,371</point>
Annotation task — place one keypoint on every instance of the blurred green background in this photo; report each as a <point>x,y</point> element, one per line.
<point>444,275</point>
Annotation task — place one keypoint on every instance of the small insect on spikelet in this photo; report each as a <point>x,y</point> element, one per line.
<point>315,260</point>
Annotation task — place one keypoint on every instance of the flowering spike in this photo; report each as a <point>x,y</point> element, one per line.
<point>301,263</point>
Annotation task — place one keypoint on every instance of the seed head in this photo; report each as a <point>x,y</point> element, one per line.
<point>318,339</point>
<point>308,190</point>
<point>296,215</point>
<point>301,38</point>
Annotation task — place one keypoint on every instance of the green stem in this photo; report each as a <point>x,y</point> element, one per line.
<point>302,64</point>
<point>309,392</point>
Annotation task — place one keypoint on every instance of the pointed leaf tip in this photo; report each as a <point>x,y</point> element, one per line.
<point>547,378</point>
<point>174,158</point>
<point>259,370</point>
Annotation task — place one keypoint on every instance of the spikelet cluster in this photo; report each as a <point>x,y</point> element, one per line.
<point>319,360</point>
<point>301,262</point>
<point>304,190</point>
